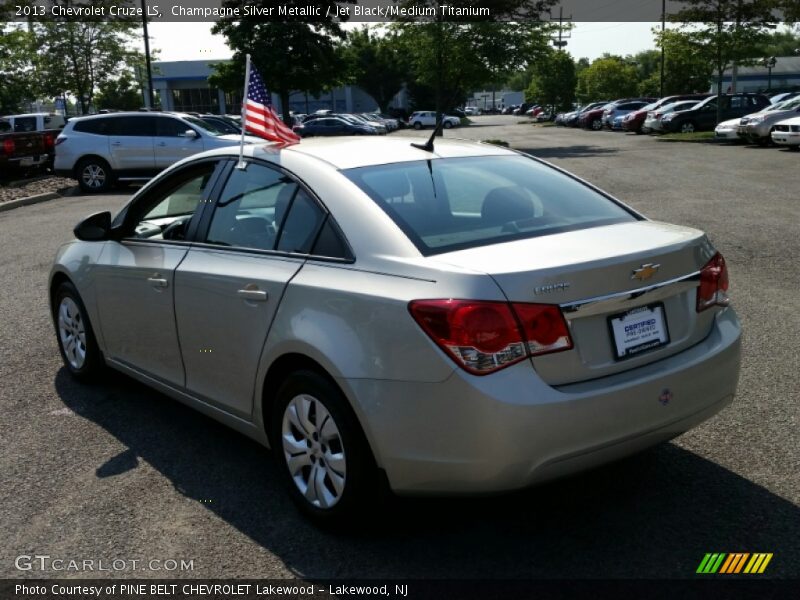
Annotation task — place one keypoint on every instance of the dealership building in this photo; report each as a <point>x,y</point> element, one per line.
<point>183,86</point>
<point>783,75</point>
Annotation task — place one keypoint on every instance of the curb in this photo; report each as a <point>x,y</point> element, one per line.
<point>12,204</point>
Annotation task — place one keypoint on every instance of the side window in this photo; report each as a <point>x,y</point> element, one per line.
<point>738,102</point>
<point>132,126</point>
<point>251,208</point>
<point>168,127</point>
<point>95,126</point>
<point>166,213</point>
<point>330,243</point>
<point>301,225</point>
<point>5,126</point>
<point>25,124</point>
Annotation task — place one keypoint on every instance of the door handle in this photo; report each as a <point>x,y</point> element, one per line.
<point>252,294</point>
<point>162,144</point>
<point>157,282</point>
<point>116,143</point>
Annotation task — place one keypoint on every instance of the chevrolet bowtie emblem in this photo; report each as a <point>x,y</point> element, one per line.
<point>646,271</point>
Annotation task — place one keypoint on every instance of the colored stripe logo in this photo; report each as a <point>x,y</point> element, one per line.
<point>734,563</point>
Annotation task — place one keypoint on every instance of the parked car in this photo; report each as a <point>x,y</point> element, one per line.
<point>427,118</point>
<point>24,150</point>
<point>783,96</point>
<point>652,122</point>
<point>385,120</point>
<point>728,131</point>
<point>621,109</point>
<point>757,128</point>
<point>634,120</point>
<point>593,118</point>
<point>378,126</point>
<point>102,150</point>
<point>472,111</point>
<point>330,126</point>
<point>374,311</point>
<point>40,121</point>
<point>221,123</point>
<point>573,119</point>
<point>787,133</point>
<point>667,100</point>
<point>703,116</point>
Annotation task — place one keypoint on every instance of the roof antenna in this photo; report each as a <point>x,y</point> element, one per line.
<point>428,146</point>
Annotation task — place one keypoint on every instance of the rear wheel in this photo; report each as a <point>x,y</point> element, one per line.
<point>597,125</point>
<point>417,125</point>
<point>76,341</point>
<point>688,127</point>
<point>94,175</point>
<point>447,124</point>
<point>325,459</point>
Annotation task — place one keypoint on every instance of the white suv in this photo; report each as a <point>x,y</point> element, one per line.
<point>103,149</point>
<point>427,118</point>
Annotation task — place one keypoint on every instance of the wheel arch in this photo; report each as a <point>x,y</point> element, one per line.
<point>293,361</point>
<point>80,160</point>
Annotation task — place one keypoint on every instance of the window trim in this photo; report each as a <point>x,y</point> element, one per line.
<point>212,188</point>
<point>201,232</point>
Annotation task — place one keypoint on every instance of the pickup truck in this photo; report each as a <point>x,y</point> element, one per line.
<point>25,150</point>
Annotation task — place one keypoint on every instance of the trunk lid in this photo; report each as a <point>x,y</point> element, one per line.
<point>596,275</point>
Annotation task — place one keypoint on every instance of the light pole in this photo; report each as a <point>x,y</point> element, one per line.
<point>770,64</point>
<point>663,55</point>
<point>149,97</point>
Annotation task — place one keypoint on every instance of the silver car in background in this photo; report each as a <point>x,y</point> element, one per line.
<point>464,319</point>
<point>653,120</point>
<point>758,127</point>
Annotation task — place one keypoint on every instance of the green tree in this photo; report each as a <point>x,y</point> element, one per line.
<point>17,82</point>
<point>290,55</point>
<point>781,43</point>
<point>78,57</point>
<point>732,30</point>
<point>376,64</point>
<point>121,94</point>
<point>554,80</point>
<point>608,77</point>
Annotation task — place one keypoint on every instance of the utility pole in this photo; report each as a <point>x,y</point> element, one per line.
<point>149,95</point>
<point>561,41</point>
<point>663,54</point>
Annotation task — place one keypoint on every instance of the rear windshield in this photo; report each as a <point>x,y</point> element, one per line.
<point>450,204</point>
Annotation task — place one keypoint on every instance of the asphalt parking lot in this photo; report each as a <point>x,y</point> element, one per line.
<point>117,471</point>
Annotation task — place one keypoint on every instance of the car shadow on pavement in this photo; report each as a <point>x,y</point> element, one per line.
<point>568,151</point>
<point>653,515</point>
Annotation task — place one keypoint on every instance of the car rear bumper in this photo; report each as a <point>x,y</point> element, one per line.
<point>508,430</point>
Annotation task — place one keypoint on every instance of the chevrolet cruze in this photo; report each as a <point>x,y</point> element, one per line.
<point>454,319</point>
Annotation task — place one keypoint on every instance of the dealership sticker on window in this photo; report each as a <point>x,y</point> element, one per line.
<point>639,330</point>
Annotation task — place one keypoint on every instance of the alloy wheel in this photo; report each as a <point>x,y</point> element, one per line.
<point>687,127</point>
<point>93,176</point>
<point>72,332</point>
<point>313,450</point>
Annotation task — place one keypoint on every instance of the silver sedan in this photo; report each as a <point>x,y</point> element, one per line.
<point>452,319</point>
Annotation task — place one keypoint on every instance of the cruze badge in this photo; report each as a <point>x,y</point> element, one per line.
<point>644,272</point>
<point>553,287</point>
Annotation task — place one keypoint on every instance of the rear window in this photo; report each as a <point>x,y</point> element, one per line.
<point>450,204</point>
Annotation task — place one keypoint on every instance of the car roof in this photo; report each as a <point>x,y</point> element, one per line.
<point>353,152</point>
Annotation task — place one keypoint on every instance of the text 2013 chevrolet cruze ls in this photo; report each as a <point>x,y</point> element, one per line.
<point>465,319</point>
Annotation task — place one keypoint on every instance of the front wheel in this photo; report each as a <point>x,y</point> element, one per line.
<point>597,125</point>
<point>688,127</point>
<point>447,124</point>
<point>324,456</point>
<point>76,341</point>
<point>417,125</point>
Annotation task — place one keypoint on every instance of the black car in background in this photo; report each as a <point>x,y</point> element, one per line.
<point>703,117</point>
<point>326,126</point>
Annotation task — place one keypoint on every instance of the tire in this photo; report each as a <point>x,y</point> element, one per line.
<point>74,334</point>
<point>447,125</point>
<point>313,423</point>
<point>417,125</point>
<point>597,125</point>
<point>94,175</point>
<point>687,127</point>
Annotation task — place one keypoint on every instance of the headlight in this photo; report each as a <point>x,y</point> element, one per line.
<point>753,120</point>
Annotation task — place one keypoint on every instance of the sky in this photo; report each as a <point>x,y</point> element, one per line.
<point>194,41</point>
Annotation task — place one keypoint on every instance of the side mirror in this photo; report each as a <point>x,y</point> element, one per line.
<point>94,228</point>
<point>191,134</point>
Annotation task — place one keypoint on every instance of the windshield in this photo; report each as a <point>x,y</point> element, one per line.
<point>455,203</point>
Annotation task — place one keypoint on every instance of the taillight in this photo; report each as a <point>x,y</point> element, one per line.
<point>713,290</point>
<point>483,337</point>
<point>8,146</point>
<point>49,142</point>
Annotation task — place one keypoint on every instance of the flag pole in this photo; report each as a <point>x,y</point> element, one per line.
<point>241,165</point>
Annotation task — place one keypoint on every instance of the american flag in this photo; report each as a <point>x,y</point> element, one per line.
<point>260,118</point>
